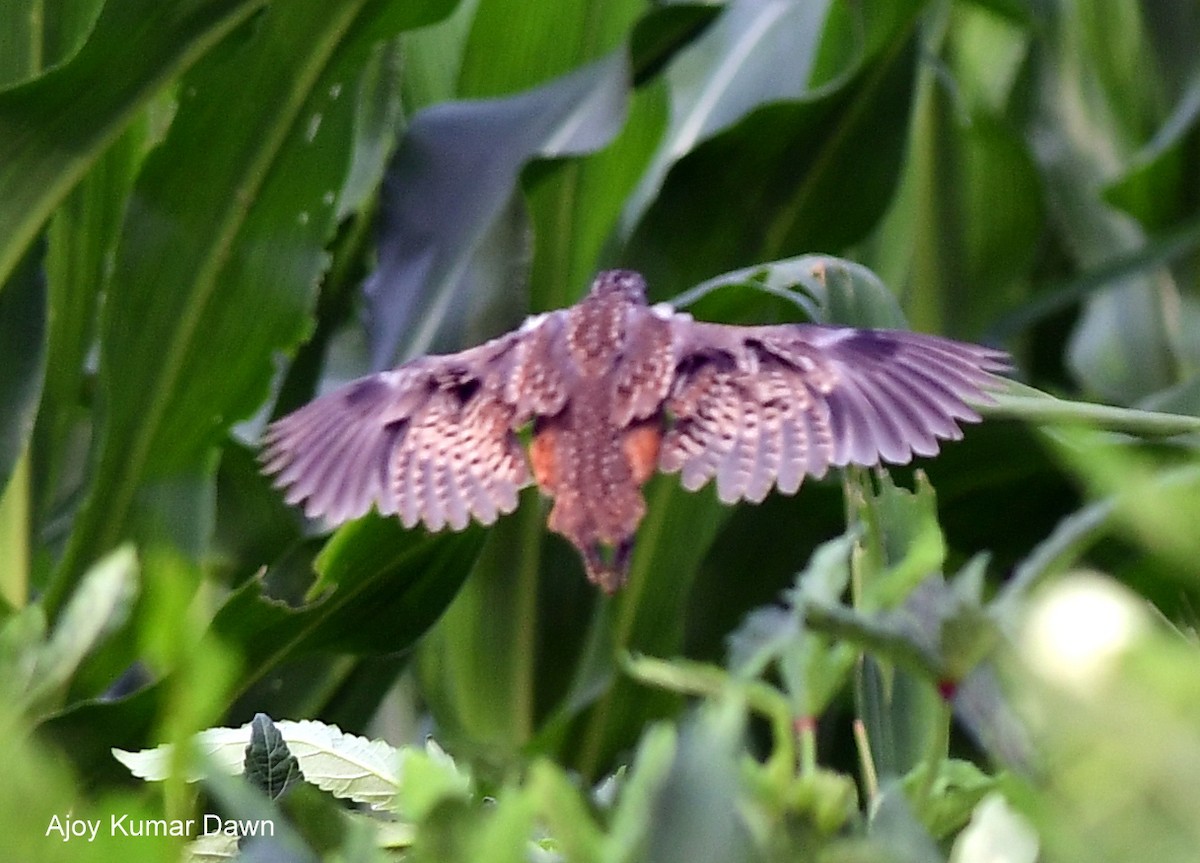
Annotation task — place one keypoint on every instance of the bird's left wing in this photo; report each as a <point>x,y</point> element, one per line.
<point>757,407</point>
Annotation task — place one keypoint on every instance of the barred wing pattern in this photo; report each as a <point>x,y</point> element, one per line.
<point>432,441</point>
<point>614,388</point>
<point>757,407</point>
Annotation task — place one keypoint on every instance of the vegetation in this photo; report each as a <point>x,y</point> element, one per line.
<point>213,209</point>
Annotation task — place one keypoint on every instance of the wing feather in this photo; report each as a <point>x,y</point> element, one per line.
<point>432,441</point>
<point>754,407</point>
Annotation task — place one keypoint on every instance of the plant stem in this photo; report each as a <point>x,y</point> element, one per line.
<point>939,746</point>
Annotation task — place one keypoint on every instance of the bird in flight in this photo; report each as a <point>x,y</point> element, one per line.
<point>615,389</point>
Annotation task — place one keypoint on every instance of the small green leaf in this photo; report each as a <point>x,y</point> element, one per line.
<point>427,778</point>
<point>632,821</point>
<point>97,608</point>
<point>561,805</point>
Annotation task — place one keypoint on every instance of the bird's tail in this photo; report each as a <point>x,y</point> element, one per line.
<point>608,565</point>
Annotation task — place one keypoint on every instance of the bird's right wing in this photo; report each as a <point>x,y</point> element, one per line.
<point>433,440</point>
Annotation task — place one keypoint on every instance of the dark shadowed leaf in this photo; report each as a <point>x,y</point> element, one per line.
<point>380,588</point>
<point>810,174</point>
<point>269,765</point>
<point>452,178</point>
<point>23,335</point>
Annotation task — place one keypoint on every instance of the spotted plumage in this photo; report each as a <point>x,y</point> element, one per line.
<point>615,389</point>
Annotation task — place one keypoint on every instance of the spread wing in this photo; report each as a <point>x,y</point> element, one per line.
<point>762,406</point>
<point>433,440</point>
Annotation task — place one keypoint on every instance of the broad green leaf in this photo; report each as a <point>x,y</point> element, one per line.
<point>217,262</point>
<point>553,39</point>
<point>901,546</point>
<point>754,54</point>
<point>433,58</point>
<point>39,787</point>
<point>693,811</point>
<point>81,240</point>
<point>814,172</point>
<point>900,837</point>
<point>1156,189</point>
<point>505,835</point>
<point>827,290</point>
<point>451,182</point>
<point>54,127</point>
<point>429,778</point>
<point>960,240</point>
<point>1094,108</point>
<point>575,205</point>
<point>901,540</point>
<point>345,765</point>
<point>35,37</point>
<point>478,667</point>
<point>561,806</point>
<point>22,639</point>
<point>253,524</point>
<point>381,587</point>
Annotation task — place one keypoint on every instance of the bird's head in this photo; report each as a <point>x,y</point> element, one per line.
<point>624,284</point>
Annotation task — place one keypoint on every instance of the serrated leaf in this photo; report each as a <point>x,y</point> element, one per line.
<point>345,765</point>
<point>212,848</point>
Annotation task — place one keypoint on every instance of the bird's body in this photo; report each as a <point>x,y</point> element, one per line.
<point>615,389</point>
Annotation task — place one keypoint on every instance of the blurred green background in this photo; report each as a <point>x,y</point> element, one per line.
<point>212,210</point>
